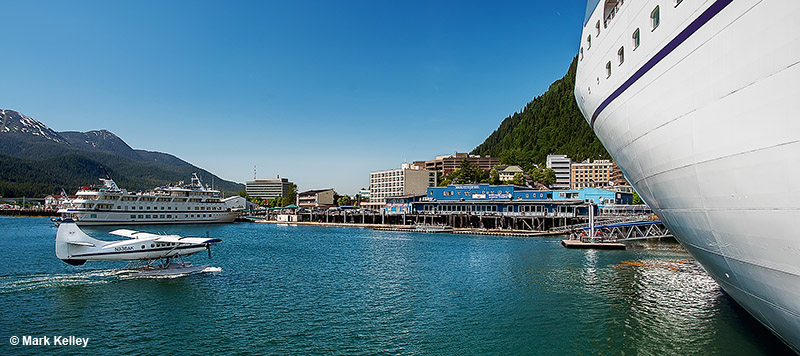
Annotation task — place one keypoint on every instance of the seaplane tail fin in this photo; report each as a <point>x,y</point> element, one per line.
<point>70,240</point>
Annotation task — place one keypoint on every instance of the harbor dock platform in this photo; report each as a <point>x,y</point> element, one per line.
<point>414,228</point>
<point>593,245</point>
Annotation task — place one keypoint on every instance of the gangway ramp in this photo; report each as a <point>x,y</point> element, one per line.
<point>632,231</point>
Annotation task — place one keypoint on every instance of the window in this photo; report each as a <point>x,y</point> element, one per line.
<point>655,18</point>
<point>589,42</point>
<point>581,56</point>
<point>678,2</point>
<point>621,55</point>
<point>608,69</point>
<point>597,26</point>
<point>636,39</point>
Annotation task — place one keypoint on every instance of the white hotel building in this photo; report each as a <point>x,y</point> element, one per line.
<point>408,180</point>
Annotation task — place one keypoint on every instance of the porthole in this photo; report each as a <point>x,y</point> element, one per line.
<point>655,18</point>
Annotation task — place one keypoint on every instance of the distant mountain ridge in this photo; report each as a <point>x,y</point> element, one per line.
<point>37,160</point>
<point>549,124</point>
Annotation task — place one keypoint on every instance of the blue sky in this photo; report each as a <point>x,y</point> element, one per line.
<point>320,92</point>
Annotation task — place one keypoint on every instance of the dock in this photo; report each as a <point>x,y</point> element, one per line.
<point>593,245</point>
<point>413,228</point>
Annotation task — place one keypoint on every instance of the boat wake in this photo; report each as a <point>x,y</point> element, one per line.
<point>168,273</point>
<point>17,283</point>
<point>20,283</point>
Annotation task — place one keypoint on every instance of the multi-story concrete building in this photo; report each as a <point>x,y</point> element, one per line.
<point>409,179</point>
<point>449,163</point>
<point>320,198</point>
<point>596,174</point>
<point>561,165</point>
<point>268,188</point>
<point>618,178</point>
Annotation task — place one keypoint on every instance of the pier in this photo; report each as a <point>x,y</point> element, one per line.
<point>518,222</point>
<point>613,236</point>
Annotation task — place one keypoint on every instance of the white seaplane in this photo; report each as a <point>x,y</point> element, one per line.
<point>149,254</point>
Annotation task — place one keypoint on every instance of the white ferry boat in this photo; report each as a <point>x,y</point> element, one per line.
<point>693,100</point>
<point>179,204</point>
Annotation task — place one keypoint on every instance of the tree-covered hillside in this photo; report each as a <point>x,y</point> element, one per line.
<point>550,124</point>
<point>38,178</point>
<point>36,161</point>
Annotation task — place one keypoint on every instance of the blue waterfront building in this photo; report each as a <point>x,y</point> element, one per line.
<point>485,199</point>
<point>599,197</point>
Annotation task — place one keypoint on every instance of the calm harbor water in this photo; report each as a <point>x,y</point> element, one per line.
<point>317,290</point>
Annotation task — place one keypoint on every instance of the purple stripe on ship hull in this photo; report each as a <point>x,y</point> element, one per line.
<point>701,20</point>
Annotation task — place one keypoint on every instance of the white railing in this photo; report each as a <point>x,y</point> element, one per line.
<point>612,13</point>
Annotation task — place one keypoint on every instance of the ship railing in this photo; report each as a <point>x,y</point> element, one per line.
<point>612,13</point>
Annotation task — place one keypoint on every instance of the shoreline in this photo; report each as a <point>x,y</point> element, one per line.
<point>412,228</point>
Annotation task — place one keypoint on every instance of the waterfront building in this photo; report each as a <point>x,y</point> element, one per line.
<point>449,163</point>
<point>409,179</point>
<point>316,199</point>
<point>483,199</point>
<point>592,174</point>
<point>402,204</point>
<point>600,197</point>
<point>268,188</point>
<point>562,166</point>
<point>618,178</point>
<point>239,203</point>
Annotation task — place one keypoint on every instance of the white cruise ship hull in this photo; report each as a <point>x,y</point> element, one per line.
<point>702,121</point>
<point>94,218</point>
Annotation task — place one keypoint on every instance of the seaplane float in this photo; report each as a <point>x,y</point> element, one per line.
<point>148,254</point>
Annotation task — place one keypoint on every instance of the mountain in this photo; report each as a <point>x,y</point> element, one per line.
<point>37,161</point>
<point>549,124</point>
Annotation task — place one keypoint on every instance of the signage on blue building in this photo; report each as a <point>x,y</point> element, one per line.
<point>467,186</point>
<point>499,196</point>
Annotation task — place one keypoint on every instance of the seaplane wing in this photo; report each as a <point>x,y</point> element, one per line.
<point>81,243</point>
<point>132,234</point>
<point>186,240</point>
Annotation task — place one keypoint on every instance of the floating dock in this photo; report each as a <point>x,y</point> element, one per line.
<point>593,245</point>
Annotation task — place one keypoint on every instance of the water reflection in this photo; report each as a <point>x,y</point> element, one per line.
<point>306,290</point>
